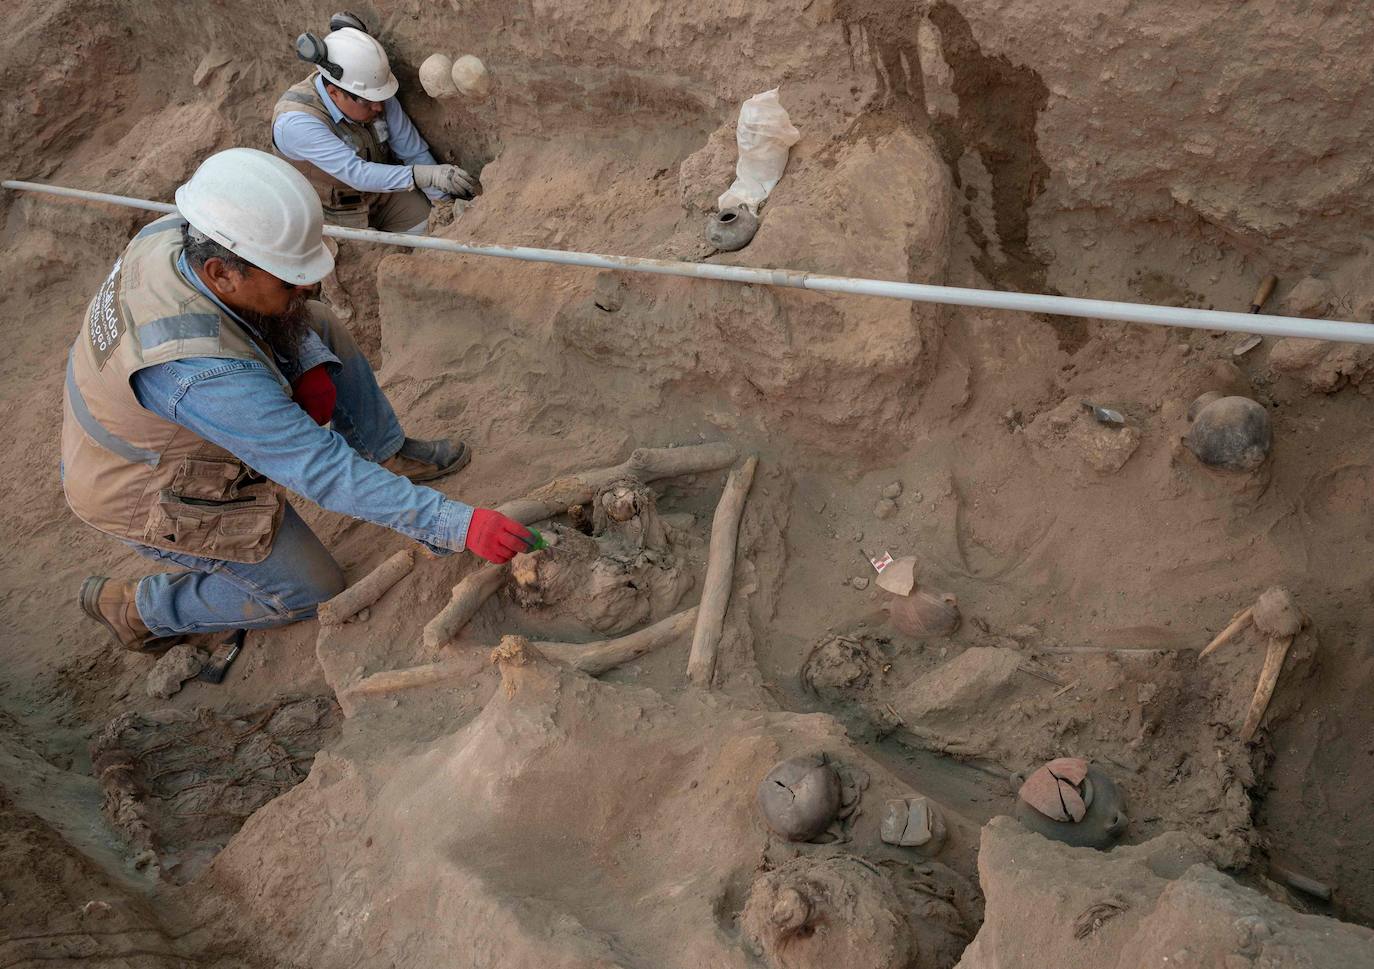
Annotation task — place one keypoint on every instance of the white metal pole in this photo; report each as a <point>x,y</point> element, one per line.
<point>1337,331</point>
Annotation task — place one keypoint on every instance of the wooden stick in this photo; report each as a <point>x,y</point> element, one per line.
<point>720,574</point>
<point>1268,680</point>
<point>1301,882</point>
<point>1238,622</point>
<point>1262,294</point>
<point>368,589</point>
<point>468,596</point>
<point>598,657</point>
<point>645,464</point>
<point>1098,650</point>
<point>396,681</point>
<point>591,658</point>
<point>1042,676</point>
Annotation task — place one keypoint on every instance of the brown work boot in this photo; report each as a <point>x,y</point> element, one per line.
<point>111,603</point>
<point>427,460</point>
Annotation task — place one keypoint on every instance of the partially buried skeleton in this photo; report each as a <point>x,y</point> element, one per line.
<point>617,566</point>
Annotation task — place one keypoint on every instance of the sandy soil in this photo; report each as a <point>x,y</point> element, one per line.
<point>539,817</point>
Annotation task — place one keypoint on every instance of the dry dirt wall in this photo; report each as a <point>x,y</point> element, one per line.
<point>1130,152</point>
<point>1176,125</point>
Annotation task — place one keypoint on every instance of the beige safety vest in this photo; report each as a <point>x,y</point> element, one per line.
<point>342,203</point>
<point>126,470</point>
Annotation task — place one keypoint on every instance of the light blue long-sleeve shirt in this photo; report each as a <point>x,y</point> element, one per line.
<point>241,406</point>
<point>303,137</point>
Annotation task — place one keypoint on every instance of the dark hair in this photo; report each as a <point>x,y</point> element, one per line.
<point>200,249</point>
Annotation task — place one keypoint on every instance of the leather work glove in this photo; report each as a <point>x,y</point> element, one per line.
<point>314,390</point>
<point>497,538</point>
<point>445,178</point>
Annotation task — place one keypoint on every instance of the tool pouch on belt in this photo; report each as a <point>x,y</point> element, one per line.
<point>217,509</point>
<point>347,208</point>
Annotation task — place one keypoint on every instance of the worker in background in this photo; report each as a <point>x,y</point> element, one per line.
<point>204,382</point>
<point>343,129</point>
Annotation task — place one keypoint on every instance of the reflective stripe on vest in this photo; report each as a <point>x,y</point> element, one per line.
<point>187,326</point>
<point>161,225</point>
<point>96,430</point>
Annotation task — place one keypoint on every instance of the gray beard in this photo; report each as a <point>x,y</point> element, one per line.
<point>283,333</point>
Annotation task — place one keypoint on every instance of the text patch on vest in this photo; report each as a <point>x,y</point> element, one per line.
<point>102,323</point>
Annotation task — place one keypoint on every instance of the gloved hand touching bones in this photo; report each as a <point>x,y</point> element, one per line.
<point>445,178</point>
<point>497,538</point>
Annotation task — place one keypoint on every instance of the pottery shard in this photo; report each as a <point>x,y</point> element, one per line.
<point>1041,791</point>
<point>899,578</point>
<point>1053,789</point>
<point>924,614</point>
<point>908,822</point>
<point>1071,769</point>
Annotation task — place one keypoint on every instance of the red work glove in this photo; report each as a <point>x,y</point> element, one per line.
<point>495,537</point>
<point>316,393</point>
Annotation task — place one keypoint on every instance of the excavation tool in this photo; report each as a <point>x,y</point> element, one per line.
<point>1335,331</point>
<point>1262,294</point>
<point>225,653</point>
<point>1104,415</point>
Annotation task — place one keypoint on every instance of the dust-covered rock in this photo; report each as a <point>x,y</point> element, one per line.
<point>974,680</point>
<point>1321,366</point>
<point>1310,297</point>
<point>173,668</point>
<point>1139,907</point>
<point>1070,438</point>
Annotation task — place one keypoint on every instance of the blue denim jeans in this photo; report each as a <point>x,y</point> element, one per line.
<point>288,585</point>
<point>299,573</point>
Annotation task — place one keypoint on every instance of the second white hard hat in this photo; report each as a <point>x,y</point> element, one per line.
<point>257,206</point>
<point>366,71</point>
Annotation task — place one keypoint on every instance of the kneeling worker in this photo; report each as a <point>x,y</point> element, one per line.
<point>344,130</point>
<point>202,384</point>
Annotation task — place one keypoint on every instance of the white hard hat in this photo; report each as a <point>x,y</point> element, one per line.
<point>257,206</point>
<point>366,71</point>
